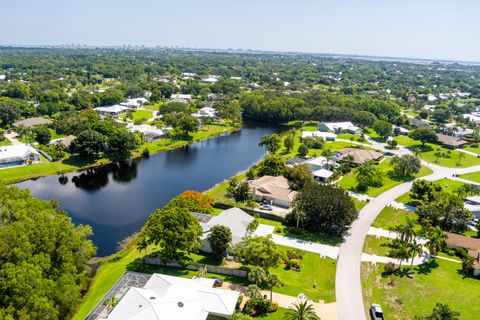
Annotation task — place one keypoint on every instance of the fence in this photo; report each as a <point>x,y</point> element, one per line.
<point>196,266</point>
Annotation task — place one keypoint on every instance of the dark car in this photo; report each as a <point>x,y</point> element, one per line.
<point>218,282</point>
<point>376,312</point>
<point>388,154</point>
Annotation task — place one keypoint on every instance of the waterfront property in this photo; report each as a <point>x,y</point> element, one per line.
<point>235,219</point>
<point>275,190</point>
<point>17,155</point>
<point>169,297</point>
<point>327,136</point>
<point>150,133</point>
<point>339,127</point>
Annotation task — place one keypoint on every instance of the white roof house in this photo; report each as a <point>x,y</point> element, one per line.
<point>18,154</point>
<point>135,102</point>
<point>187,97</point>
<point>429,107</point>
<point>150,133</point>
<point>327,136</point>
<point>206,112</point>
<point>402,130</point>
<point>322,174</point>
<point>114,110</point>
<point>472,117</point>
<point>2,77</point>
<point>346,126</point>
<point>234,218</point>
<point>317,163</point>
<point>168,297</point>
<point>472,204</point>
<point>210,79</point>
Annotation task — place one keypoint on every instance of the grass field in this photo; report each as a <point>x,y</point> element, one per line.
<point>475,176</point>
<point>376,246</point>
<point>349,181</point>
<point>427,153</point>
<point>417,293</point>
<point>141,115</point>
<point>5,142</point>
<point>390,217</point>
<point>447,185</point>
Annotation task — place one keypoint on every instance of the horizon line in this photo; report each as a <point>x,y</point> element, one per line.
<point>236,50</point>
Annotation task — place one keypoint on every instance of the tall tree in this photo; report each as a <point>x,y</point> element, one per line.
<point>424,135</point>
<point>405,165</point>
<point>219,238</point>
<point>271,142</point>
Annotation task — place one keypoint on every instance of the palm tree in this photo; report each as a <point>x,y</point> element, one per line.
<point>437,240</point>
<point>407,231</point>
<point>301,310</point>
<point>257,275</point>
<point>461,156</point>
<point>400,251</point>
<point>414,249</point>
<point>272,280</point>
<point>271,142</point>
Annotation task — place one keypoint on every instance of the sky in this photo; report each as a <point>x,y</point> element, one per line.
<point>430,29</point>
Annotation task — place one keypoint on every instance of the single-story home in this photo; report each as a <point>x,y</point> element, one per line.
<point>211,79</point>
<point>339,127</point>
<point>455,241</point>
<point>459,132</point>
<point>169,297</point>
<point>114,110</point>
<point>134,103</point>
<point>472,117</point>
<point>401,130</point>
<point>18,154</point>
<point>417,123</point>
<point>294,161</point>
<point>186,97</point>
<point>206,112</point>
<point>150,133</point>
<point>472,204</point>
<point>450,142</point>
<point>317,163</point>
<point>429,107</point>
<point>275,190</point>
<point>327,136</point>
<point>234,218</point>
<point>67,141</point>
<point>32,122</point>
<point>360,156</point>
<point>322,175</point>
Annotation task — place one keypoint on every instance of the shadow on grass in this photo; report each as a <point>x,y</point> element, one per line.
<point>312,236</point>
<point>426,268</point>
<point>419,148</point>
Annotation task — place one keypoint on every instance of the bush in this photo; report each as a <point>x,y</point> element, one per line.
<point>273,307</point>
<point>389,268</point>
<point>146,153</point>
<point>292,264</point>
<point>239,302</point>
<point>295,254</point>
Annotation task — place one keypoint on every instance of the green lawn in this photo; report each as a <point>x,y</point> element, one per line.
<point>416,294</point>
<point>475,176</point>
<point>351,137</point>
<point>5,142</point>
<point>55,135</point>
<point>141,115</point>
<point>447,185</point>
<point>359,204</point>
<point>427,153</point>
<point>376,246</point>
<point>313,269</point>
<point>472,149</point>
<point>390,217</point>
<point>349,181</point>
<point>152,107</point>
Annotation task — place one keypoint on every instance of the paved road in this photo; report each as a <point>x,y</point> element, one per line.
<point>348,287</point>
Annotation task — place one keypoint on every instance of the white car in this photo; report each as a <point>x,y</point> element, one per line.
<point>265,207</point>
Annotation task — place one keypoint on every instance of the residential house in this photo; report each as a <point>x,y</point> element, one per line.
<point>322,175</point>
<point>320,168</point>
<point>275,190</point>
<point>327,136</point>
<point>339,127</point>
<point>450,142</point>
<point>211,79</point>
<point>188,75</point>
<point>32,122</point>
<point>235,219</point>
<point>359,156</point>
<point>149,133</point>
<point>18,154</point>
<point>206,112</point>
<point>401,130</point>
<point>417,123</point>
<point>429,107</point>
<point>458,132</point>
<point>180,96</point>
<point>294,161</point>
<point>169,297</point>
<point>317,163</point>
<point>472,204</point>
<point>474,116</point>
<point>67,141</point>
<point>455,241</point>
<point>134,103</point>
<point>115,111</point>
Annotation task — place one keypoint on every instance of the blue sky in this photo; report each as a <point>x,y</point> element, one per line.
<point>401,28</point>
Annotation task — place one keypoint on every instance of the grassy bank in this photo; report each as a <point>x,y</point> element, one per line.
<point>73,163</point>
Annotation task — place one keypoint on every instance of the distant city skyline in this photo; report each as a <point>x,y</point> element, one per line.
<point>428,29</point>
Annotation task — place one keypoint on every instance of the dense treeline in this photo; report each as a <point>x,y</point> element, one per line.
<point>43,258</point>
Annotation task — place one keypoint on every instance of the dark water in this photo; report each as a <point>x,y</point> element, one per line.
<point>117,199</point>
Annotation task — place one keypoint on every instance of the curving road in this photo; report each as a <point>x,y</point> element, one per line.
<point>348,287</point>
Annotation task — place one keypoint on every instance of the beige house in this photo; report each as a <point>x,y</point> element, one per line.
<point>360,156</point>
<point>450,142</point>
<point>275,190</point>
<point>32,122</point>
<point>455,241</point>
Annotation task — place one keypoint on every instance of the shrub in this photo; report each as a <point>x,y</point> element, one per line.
<point>146,153</point>
<point>389,268</point>
<point>292,264</point>
<point>295,254</point>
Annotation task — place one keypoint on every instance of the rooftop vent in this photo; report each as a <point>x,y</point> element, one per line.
<point>180,304</point>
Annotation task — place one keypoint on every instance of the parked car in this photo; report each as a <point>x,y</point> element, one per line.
<point>265,207</point>
<point>218,282</point>
<point>376,312</point>
<point>388,154</point>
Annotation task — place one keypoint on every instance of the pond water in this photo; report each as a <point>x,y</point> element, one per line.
<point>117,199</point>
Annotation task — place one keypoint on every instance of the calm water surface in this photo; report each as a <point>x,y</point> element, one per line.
<point>117,199</point>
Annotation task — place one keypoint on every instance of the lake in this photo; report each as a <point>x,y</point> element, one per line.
<point>117,199</point>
